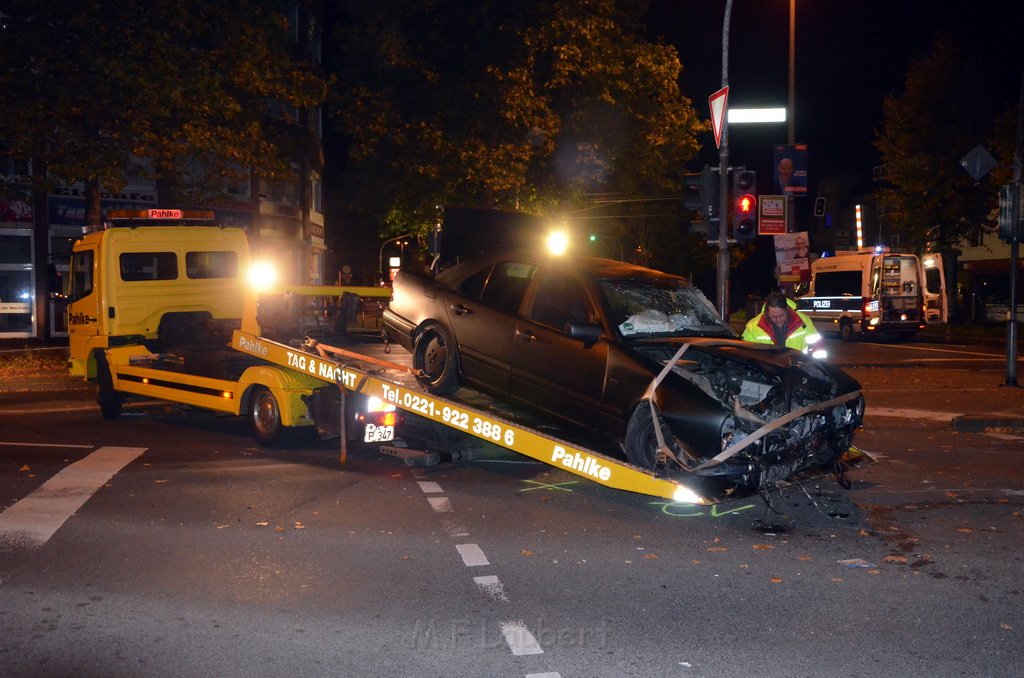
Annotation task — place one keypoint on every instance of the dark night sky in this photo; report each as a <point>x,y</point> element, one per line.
<point>849,55</point>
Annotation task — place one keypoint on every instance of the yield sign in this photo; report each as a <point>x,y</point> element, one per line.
<point>718,102</point>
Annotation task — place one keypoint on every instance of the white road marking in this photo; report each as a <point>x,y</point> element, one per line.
<point>472,555</point>
<point>31,521</point>
<point>429,487</point>
<point>904,413</point>
<point>519,638</point>
<point>440,504</point>
<point>12,444</point>
<point>455,529</point>
<point>946,350</point>
<point>1004,436</point>
<point>554,674</point>
<point>492,586</point>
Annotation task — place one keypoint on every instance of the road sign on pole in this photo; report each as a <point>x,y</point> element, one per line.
<point>771,214</point>
<point>718,102</point>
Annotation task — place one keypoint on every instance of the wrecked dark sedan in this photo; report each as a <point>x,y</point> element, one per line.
<point>615,348</point>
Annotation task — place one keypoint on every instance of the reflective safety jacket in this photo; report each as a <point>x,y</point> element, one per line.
<point>800,332</point>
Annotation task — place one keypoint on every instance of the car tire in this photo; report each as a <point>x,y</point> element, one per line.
<point>437,359</point>
<point>846,329</point>
<point>641,442</point>
<point>107,398</point>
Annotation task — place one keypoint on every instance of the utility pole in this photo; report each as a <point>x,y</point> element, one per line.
<point>723,178</point>
<point>791,110</point>
<point>1011,328</point>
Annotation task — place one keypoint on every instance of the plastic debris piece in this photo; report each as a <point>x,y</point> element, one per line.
<point>856,562</point>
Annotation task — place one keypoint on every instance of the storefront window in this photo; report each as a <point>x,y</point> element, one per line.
<point>16,284</point>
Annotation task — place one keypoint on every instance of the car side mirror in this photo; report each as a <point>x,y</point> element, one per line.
<point>588,333</point>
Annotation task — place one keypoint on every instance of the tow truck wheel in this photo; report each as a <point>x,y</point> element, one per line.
<point>641,442</point>
<point>107,398</point>
<point>846,329</point>
<point>265,422</point>
<point>437,358</point>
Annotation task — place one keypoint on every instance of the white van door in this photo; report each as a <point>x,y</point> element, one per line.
<point>936,303</point>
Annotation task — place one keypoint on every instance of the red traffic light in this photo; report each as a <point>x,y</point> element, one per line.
<point>746,204</point>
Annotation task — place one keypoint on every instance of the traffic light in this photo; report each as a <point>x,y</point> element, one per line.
<point>744,200</point>
<point>819,206</point>
<point>702,196</point>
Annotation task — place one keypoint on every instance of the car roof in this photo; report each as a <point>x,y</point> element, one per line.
<point>593,266</point>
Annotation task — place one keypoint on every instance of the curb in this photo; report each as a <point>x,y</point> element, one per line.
<point>976,423</point>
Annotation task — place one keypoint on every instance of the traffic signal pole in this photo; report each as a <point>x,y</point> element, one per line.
<point>723,178</point>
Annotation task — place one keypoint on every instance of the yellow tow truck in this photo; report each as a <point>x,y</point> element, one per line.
<point>167,305</point>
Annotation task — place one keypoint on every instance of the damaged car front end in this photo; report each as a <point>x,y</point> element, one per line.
<point>781,413</point>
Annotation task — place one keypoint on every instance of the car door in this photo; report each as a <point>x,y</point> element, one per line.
<point>482,314</point>
<point>550,370</point>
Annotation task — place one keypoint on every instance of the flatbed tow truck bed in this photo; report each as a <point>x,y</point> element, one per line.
<point>368,369</point>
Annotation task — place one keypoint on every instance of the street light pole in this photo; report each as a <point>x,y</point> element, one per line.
<point>380,256</point>
<point>791,111</point>
<point>723,181</point>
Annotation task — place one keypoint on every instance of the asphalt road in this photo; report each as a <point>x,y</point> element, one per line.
<point>173,545</point>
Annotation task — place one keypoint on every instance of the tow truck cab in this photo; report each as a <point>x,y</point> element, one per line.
<point>168,277</point>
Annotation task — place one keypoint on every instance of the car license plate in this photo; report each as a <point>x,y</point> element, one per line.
<point>378,434</point>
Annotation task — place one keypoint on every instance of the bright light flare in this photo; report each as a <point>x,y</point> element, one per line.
<point>755,115</point>
<point>375,404</point>
<point>262,276</point>
<point>685,495</point>
<point>558,242</point>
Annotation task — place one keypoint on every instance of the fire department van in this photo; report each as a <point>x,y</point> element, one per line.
<point>874,292</point>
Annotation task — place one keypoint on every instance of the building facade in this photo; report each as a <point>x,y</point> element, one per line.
<point>284,218</point>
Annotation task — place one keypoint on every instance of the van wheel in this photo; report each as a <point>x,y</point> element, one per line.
<point>265,423</point>
<point>846,330</point>
<point>107,398</point>
<point>437,358</point>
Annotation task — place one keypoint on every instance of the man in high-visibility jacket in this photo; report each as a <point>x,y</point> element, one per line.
<point>779,323</point>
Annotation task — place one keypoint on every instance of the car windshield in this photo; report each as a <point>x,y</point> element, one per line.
<point>661,308</point>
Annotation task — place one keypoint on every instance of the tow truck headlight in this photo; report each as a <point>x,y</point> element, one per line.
<point>262,276</point>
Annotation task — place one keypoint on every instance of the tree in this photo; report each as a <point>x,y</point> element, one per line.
<point>98,88</point>
<point>513,104</point>
<point>944,111</point>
